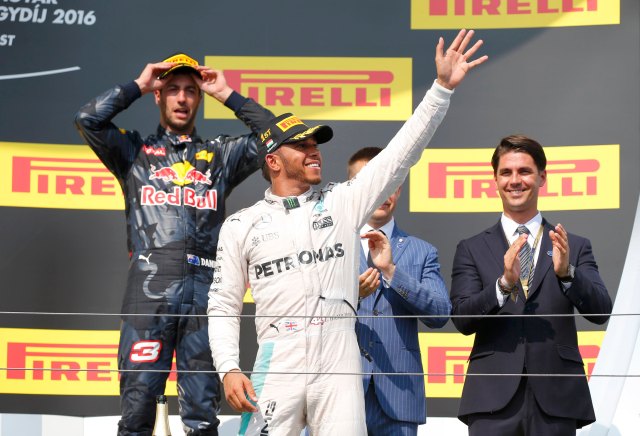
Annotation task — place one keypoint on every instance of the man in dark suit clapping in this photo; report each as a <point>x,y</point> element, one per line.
<point>526,266</point>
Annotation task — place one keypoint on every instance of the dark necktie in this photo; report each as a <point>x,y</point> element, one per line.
<point>369,260</point>
<point>526,262</point>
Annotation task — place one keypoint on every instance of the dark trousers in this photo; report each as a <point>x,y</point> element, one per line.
<point>521,417</point>
<point>198,391</point>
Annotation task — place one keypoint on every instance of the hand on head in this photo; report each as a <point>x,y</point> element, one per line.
<point>149,80</point>
<point>209,80</point>
<point>213,83</point>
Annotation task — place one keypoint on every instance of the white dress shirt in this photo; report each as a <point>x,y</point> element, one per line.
<point>387,229</point>
<point>510,228</point>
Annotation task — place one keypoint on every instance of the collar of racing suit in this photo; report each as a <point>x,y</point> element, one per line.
<point>275,200</point>
<point>178,141</point>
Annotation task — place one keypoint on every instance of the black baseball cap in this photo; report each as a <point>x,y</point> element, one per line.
<point>288,128</point>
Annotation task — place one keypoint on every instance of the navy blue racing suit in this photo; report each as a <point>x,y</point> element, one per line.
<point>174,188</point>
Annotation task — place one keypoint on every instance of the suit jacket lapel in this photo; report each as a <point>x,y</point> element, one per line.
<point>497,243</point>
<point>398,242</point>
<point>368,302</point>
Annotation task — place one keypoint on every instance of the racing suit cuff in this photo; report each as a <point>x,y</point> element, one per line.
<point>227,366</point>
<point>235,101</point>
<point>131,92</point>
<point>439,92</point>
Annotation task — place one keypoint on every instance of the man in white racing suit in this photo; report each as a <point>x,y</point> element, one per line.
<point>298,250</point>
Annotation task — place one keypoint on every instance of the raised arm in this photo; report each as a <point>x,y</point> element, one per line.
<point>453,65</point>
<point>149,79</point>
<point>116,148</point>
<point>242,154</point>
<point>388,170</point>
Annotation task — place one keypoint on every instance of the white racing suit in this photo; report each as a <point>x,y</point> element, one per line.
<point>300,257</point>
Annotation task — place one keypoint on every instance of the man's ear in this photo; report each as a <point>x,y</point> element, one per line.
<point>272,160</point>
<point>156,95</point>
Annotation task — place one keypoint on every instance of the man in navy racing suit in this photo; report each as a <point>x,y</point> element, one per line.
<point>175,184</point>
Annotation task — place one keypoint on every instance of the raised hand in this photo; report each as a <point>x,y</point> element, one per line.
<point>453,65</point>
<point>380,251</point>
<point>512,261</point>
<point>214,83</point>
<point>148,80</point>
<point>560,241</point>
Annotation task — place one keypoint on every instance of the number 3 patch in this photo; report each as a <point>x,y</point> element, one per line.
<point>145,351</point>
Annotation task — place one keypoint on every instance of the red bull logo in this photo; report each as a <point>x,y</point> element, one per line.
<point>150,196</point>
<point>194,176</point>
<point>166,174</point>
<point>181,174</point>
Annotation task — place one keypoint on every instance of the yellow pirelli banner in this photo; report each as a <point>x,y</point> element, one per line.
<point>445,357</point>
<point>327,88</point>
<point>84,362</point>
<point>504,14</point>
<point>56,176</point>
<point>62,362</point>
<point>461,180</point>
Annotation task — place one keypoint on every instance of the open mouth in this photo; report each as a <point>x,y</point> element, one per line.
<point>181,113</point>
